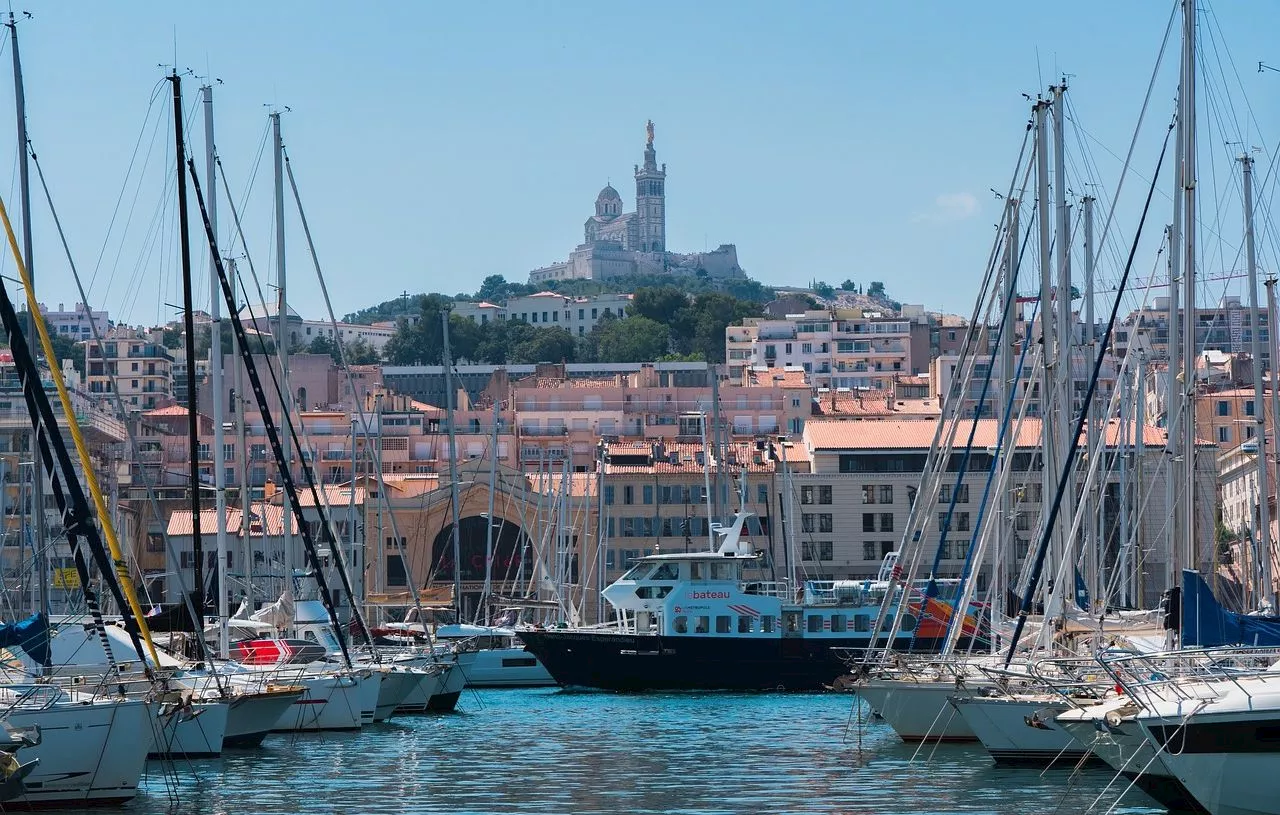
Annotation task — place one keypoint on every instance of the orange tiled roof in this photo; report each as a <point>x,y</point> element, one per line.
<point>171,410</point>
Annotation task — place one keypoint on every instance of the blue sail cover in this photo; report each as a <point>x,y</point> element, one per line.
<point>31,635</point>
<point>1205,623</point>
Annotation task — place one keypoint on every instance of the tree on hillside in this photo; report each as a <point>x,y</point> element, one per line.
<point>360,352</point>
<point>876,289</point>
<point>544,345</point>
<point>824,290</point>
<point>421,343</point>
<point>635,339</point>
<point>660,303</point>
<point>848,285</point>
<point>323,345</point>
<point>493,289</point>
<point>713,313</point>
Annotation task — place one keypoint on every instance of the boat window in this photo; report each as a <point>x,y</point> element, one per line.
<point>696,570</point>
<point>791,622</point>
<point>861,622</point>
<point>310,636</point>
<point>653,592</point>
<point>636,571</point>
<point>744,625</point>
<point>908,623</point>
<point>702,624</point>
<point>722,624</point>
<point>722,571</point>
<point>680,625</point>
<point>839,623</point>
<point>766,623</point>
<point>667,571</point>
<point>815,623</point>
<point>519,662</point>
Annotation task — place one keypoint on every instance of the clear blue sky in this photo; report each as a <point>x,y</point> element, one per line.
<point>437,143</point>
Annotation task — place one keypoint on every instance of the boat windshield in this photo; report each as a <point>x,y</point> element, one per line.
<point>636,571</point>
<point>667,571</point>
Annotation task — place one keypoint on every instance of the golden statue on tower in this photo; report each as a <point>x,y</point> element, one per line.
<point>648,129</point>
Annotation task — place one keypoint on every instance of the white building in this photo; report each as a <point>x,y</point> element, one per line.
<point>577,315</point>
<point>78,323</point>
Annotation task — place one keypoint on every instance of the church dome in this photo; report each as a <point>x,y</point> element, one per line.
<point>608,202</point>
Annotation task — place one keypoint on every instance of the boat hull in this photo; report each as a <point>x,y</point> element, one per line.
<point>1227,761</point>
<point>89,755</point>
<point>195,731</point>
<point>633,662</point>
<point>395,687</point>
<point>330,702</point>
<point>452,681</point>
<point>1002,726</point>
<point>507,668</point>
<point>917,711</point>
<point>253,714</point>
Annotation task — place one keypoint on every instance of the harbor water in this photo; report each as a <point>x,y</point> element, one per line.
<point>552,751</point>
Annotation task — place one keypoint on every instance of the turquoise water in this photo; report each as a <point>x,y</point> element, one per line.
<point>550,751</point>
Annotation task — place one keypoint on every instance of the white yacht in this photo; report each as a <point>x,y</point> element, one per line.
<point>501,660</point>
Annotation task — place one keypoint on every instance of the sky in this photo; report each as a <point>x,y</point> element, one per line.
<point>437,143</point>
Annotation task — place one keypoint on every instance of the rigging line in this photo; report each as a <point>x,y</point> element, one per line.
<point>1073,449</point>
<point>133,158</point>
<point>133,205</point>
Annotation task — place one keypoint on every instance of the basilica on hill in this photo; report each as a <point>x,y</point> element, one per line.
<point>617,243</point>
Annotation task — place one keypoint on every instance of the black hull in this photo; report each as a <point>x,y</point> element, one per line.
<point>245,741</point>
<point>1044,759</point>
<point>443,702</point>
<point>1168,791</point>
<point>630,662</point>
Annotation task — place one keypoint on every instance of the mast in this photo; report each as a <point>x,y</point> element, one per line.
<point>189,328</point>
<point>1094,557</point>
<point>1189,278</point>
<point>1131,573</point>
<point>488,535</point>
<point>1049,468</point>
<point>1008,348</point>
<point>706,484</point>
<point>282,344</point>
<point>453,467</point>
<point>1259,404</point>
<point>24,189</point>
<point>716,509</point>
<point>215,383</point>
<point>1274,354</point>
<point>1065,357</point>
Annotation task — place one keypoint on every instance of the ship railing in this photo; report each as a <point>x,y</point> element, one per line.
<point>1192,673</point>
<point>781,589</point>
<point>28,697</point>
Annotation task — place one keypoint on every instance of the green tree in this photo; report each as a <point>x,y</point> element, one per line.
<point>634,339</point>
<point>659,303</point>
<point>876,289</point>
<point>421,342</point>
<point>493,289</point>
<point>714,313</point>
<point>323,345</point>
<point>360,352</point>
<point>848,285</point>
<point>544,345</point>
<point>824,289</point>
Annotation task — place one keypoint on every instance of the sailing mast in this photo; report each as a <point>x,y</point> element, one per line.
<point>1049,440</point>
<point>188,324</point>
<point>1259,405</point>
<point>488,538</point>
<point>1188,190</point>
<point>215,384</point>
<point>24,187</point>
<point>282,343</point>
<point>453,468</point>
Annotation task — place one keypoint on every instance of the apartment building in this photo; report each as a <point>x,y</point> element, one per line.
<point>1227,328</point>
<point>577,315</point>
<point>846,348</point>
<point>77,323</point>
<point>1227,417</point>
<point>142,370</point>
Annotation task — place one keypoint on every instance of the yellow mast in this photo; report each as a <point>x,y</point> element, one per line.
<point>99,503</point>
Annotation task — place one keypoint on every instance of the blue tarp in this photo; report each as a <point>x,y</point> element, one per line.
<point>31,635</point>
<point>1206,623</point>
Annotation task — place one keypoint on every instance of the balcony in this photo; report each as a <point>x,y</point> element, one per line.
<point>544,431</point>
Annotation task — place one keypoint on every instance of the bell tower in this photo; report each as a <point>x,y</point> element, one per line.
<point>651,203</point>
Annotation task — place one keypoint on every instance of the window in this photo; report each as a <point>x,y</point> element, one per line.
<point>826,551</point>
<point>886,521</point>
<point>535,317</point>
<point>911,496</point>
<point>806,495</point>
<point>886,494</point>
<point>886,547</point>
<point>1224,435</point>
<point>1248,409</point>
<point>648,494</point>
<point>824,522</point>
<point>581,312</point>
<point>228,452</point>
<point>1022,546</point>
<point>396,574</point>
<point>962,521</point>
<point>868,494</point>
<point>608,494</point>
<point>942,522</point>
<point>187,559</point>
<point>839,623</point>
<point>868,522</point>
<point>680,625</point>
<point>767,624</point>
<point>595,312</point>
<point>869,550</point>
<point>258,452</point>
<point>824,494</point>
<point>861,622</point>
<point>723,623</point>
<point>815,623</point>
<point>702,624</point>
<point>762,493</point>
<point>628,494</point>
<point>1224,407</point>
<point>806,348</point>
<point>744,625</point>
<point>1022,522</point>
<point>962,493</point>
<point>807,522</point>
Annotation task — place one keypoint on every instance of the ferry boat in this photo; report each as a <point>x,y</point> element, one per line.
<point>700,621</point>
